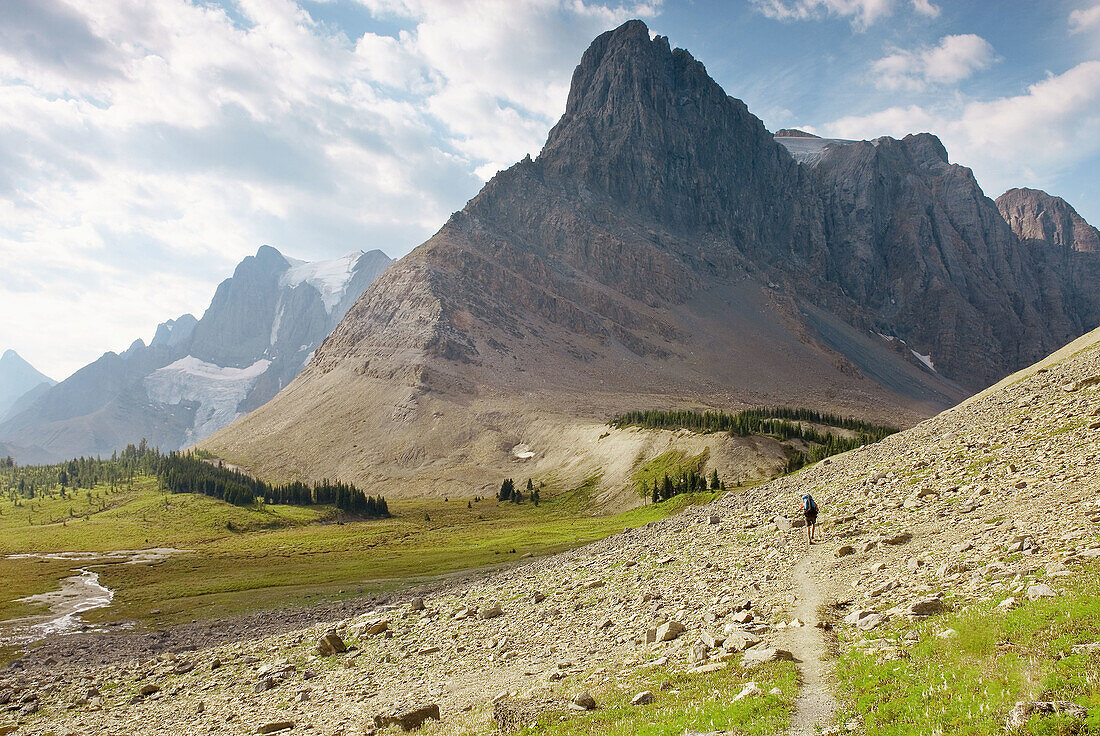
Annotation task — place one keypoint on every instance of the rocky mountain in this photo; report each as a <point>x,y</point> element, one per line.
<point>1035,215</point>
<point>664,249</point>
<point>196,376</point>
<point>17,378</point>
<point>948,524</point>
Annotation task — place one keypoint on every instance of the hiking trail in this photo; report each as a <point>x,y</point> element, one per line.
<point>816,706</point>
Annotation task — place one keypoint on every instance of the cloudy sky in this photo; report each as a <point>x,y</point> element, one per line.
<point>146,146</point>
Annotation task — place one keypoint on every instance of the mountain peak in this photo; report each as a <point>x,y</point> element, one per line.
<point>647,127</point>
<point>1035,215</point>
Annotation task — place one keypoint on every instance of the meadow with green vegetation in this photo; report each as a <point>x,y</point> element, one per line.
<point>236,558</point>
<point>967,682</point>
<point>703,702</point>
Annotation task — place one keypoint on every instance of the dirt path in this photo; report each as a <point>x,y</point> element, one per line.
<point>816,706</point>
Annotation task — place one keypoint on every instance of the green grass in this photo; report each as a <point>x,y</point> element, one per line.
<point>242,559</point>
<point>684,700</point>
<point>674,464</point>
<point>968,684</point>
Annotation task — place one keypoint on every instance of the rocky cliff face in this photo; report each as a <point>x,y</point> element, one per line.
<point>919,252</point>
<point>1035,215</point>
<point>196,376</point>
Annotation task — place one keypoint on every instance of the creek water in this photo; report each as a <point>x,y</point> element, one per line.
<point>79,594</point>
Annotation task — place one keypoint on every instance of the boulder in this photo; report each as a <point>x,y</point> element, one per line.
<point>669,630</point>
<point>899,538</point>
<point>408,720</point>
<point>331,644</point>
<point>748,691</point>
<point>1040,590</point>
<point>643,698</point>
<point>738,640</point>
<point>845,550</point>
<point>491,612</point>
<point>1023,712</point>
<point>925,606</point>
<point>274,727</point>
<point>584,701</point>
<point>754,657</point>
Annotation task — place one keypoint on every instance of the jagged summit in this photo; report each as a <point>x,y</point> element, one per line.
<point>646,126</point>
<point>1035,215</point>
<point>195,376</point>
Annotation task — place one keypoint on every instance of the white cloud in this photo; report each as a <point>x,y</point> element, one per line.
<point>862,12</point>
<point>954,59</point>
<point>1084,19</point>
<point>926,8</point>
<point>1021,140</point>
<point>145,148</point>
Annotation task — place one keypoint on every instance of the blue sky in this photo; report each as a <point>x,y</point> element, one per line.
<point>145,148</point>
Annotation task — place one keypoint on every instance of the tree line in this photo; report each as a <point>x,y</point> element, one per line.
<point>781,422</point>
<point>509,492</point>
<point>186,473</point>
<point>178,472</point>
<point>33,481</point>
<point>690,482</point>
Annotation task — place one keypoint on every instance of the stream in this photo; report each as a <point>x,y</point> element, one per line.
<point>79,593</point>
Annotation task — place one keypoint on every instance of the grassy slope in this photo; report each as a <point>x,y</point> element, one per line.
<point>243,559</point>
<point>966,684</point>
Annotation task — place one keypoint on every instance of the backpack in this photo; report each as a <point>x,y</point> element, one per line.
<point>809,506</point>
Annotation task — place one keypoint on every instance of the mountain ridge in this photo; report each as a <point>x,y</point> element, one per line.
<point>196,375</point>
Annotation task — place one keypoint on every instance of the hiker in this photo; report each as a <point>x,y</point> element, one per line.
<point>809,508</point>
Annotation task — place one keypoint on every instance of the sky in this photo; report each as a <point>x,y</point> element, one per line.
<point>147,147</point>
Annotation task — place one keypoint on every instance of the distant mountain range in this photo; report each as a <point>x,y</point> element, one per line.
<point>195,375</point>
<point>665,250</point>
<point>17,378</point>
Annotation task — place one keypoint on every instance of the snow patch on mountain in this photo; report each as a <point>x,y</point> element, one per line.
<point>217,391</point>
<point>810,150</point>
<point>926,359</point>
<point>329,278</point>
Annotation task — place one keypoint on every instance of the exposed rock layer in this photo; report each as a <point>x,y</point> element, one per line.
<point>663,250</point>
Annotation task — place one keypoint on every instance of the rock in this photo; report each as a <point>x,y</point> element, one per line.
<point>748,691</point>
<point>947,634</point>
<point>1023,712</point>
<point>738,640</point>
<point>1041,590</point>
<point>584,701</point>
<point>331,644</point>
<point>148,689</point>
<point>754,657</point>
<point>416,604</point>
<point>410,719</point>
<point>713,641</point>
<point>872,621</point>
<point>845,550</point>
<point>900,538</point>
<point>491,612</point>
<point>275,727</point>
<point>669,630</point>
<point>376,628</point>
<point>713,519</point>
<point>925,606</point>
<point>1008,604</point>
<point>643,698</point>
